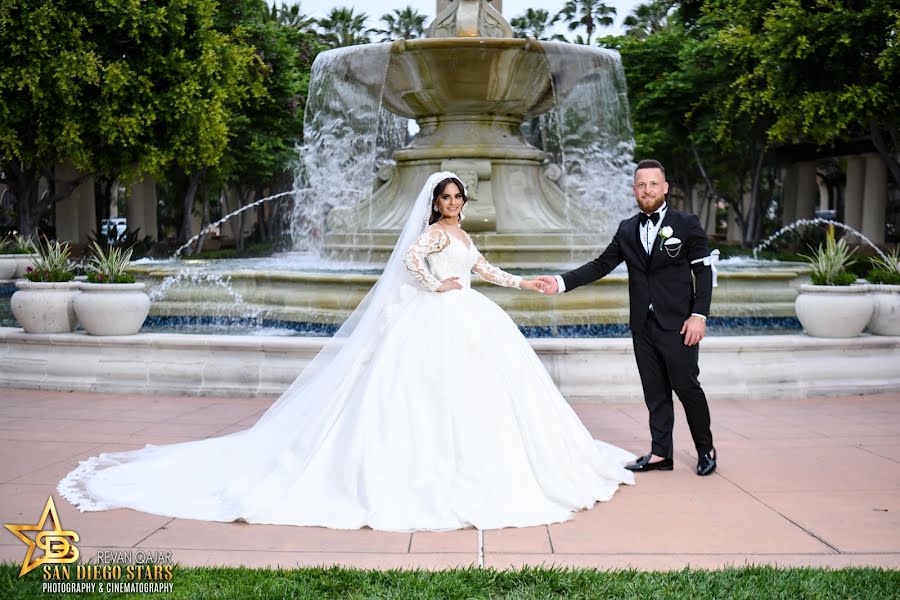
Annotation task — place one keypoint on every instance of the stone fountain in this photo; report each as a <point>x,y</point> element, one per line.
<point>469,86</point>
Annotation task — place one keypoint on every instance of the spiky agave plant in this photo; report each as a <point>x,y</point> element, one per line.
<point>23,245</point>
<point>110,266</point>
<point>829,264</point>
<point>52,264</point>
<point>886,270</point>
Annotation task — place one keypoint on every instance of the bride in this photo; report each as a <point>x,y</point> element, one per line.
<point>428,410</point>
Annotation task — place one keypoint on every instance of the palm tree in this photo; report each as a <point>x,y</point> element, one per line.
<point>589,14</point>
<point>404,24</point>
<point>290,16</point>
<point>535,23</point>
<point>343,28</point>
<point>647,19</point>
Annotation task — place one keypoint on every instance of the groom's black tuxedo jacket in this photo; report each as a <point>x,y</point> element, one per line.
<point>657,278</point>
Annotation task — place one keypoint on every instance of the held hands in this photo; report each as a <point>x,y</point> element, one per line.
<point>535,285</point>
<point>693,330</point>
<point>550,285</point>
<point>448,284</point>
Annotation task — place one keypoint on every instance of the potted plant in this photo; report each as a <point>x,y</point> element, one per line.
<point>26,253</point>
<point>8,262</point>
<point>18,251</point>
<point>832,306</point>
<point>111,303</point>
<point>885,291</point>
<point>43,302</point>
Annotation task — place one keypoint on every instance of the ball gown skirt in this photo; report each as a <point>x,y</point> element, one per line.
<point>449,420</point>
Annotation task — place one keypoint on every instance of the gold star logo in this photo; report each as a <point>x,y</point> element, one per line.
<point>57,549</point>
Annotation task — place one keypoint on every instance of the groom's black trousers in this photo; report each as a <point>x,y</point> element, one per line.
<point>666,365</point>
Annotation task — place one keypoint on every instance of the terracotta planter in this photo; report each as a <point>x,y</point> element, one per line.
<point>45,307</point>
<point>112,308</point>
<point>886,309</point>
<point>8,266</point>
<point>833,311</point>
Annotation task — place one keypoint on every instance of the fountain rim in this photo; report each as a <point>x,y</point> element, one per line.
<point>527,44</point>
<point>785,272</point>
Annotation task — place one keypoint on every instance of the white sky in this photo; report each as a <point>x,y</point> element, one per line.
<point>511,9</point>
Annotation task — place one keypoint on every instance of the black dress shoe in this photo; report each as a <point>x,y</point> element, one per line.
<point>706,464</point>
<point>643,464</point>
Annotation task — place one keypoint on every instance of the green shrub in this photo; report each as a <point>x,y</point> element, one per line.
<point>883,276</point>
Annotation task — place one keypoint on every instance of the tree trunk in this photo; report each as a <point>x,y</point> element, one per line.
<point>262,223</point>
<point>882,147</point>
<point>24,184</point>
<point>753,209</point>
<point>236,222</point>
<point>242,219</point>
<point>188,206</point>
<point>204,223</point>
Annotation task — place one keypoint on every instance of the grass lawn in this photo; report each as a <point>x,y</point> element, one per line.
<point>341,583</point>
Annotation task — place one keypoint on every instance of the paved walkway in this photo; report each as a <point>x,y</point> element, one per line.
<point>801,482</point>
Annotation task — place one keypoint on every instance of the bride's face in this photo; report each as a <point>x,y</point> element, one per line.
<point>451,201</point>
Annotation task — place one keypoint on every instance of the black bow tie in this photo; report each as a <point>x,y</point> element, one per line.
<point>651,217</point>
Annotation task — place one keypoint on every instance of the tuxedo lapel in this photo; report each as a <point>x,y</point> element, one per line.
<point>654,243</point>
<point>636,240</point>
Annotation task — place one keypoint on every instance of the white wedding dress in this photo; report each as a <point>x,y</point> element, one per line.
<point>441,417</point>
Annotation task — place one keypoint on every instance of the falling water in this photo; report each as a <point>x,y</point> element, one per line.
<point>348,136</point>
<point>589,132</point>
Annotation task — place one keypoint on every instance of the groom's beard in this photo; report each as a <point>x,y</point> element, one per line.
<point>650,204</point>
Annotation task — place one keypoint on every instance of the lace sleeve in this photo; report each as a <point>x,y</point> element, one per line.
<point>494,275</point>
<point>432,240</point>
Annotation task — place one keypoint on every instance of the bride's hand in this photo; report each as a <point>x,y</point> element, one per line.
<point>535,285</point>
<point>450,283</point>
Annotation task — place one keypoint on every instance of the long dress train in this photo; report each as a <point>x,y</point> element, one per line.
<point>445,419</point>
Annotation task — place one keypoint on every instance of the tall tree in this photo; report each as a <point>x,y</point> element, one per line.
<point>589,14</point>
<point>265,134</point>
<point>648,19</point>
<point>827,70</point>
<point>536,24</point>
<point>406,24</point>
<point>291,16</point>
<point>115,88</point>
<point>343,28</point>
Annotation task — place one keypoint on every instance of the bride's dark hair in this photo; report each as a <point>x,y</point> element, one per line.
<point>438,190</point>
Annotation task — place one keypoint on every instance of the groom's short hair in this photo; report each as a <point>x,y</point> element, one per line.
<point>649,163</point>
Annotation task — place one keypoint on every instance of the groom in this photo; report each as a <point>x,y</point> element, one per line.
<point>661,247</point>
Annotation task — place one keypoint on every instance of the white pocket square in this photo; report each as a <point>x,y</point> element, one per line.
<point>672,241</point>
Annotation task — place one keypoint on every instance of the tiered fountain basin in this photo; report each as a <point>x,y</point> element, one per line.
<point>255,288</point>
<point>470,97</point>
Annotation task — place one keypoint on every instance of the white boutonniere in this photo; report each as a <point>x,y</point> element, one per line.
<point>664,233</point>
